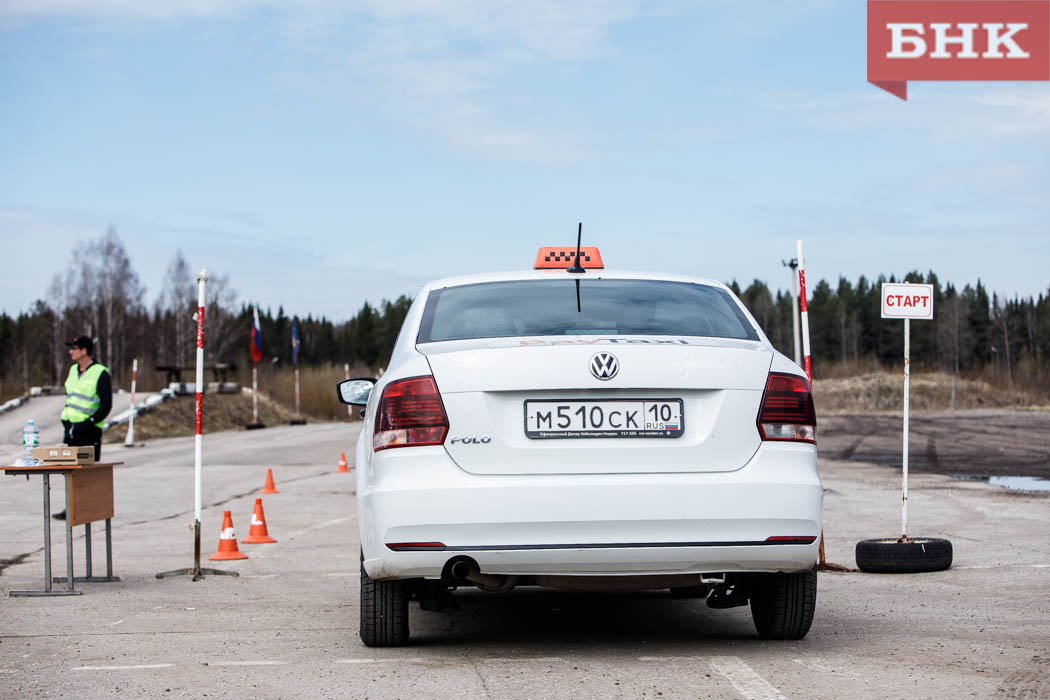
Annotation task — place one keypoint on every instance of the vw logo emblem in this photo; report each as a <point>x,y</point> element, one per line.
<point>604,366</point>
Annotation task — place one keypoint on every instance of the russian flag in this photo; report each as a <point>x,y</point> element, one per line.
<point>256,337</point>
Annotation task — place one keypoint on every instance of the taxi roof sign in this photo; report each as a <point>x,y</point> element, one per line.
<point>562,257</point>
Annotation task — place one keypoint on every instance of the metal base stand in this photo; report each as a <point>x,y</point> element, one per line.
<point>197,572</point>
<point>47,548</point>
<point>109,577</point>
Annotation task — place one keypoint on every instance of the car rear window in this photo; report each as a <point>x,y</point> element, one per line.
<point>606,307</point>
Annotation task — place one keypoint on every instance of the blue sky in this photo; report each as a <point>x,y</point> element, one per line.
<point>321,153</point>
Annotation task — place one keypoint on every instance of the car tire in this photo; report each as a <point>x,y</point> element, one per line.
<point>783,605</point>
<point>917,555</point>
<point>384,612</point>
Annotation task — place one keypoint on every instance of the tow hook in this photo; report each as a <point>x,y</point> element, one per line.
<point>728,595</point>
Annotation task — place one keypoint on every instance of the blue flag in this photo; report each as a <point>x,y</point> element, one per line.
<point>295,341</point>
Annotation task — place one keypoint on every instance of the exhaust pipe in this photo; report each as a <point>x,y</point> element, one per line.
<point>466,569</point>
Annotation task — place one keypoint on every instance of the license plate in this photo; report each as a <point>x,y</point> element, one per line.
<point>606,418</point>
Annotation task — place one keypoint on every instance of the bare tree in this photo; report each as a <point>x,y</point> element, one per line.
<point>118,291</point>
<point>179,299</point>
<point>221,319</point>
<point>107,292</point>
<point>178,304</point>
<point>60,292</point>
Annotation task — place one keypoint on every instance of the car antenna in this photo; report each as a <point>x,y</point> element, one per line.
<point>576,267</point>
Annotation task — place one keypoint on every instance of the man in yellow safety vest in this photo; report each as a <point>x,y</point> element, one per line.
<point>89,398</point>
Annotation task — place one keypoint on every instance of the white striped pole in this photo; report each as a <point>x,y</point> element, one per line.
<point>129,439</point>
<point>255,394</point>
<point>349,408</point>
<point>795,332</point>
<point>199,386</point>
<point>197,572</point>
<point>805,313</point>
<point>297,414</point>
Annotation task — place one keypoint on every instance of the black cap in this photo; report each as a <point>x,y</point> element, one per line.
<point>83,342</point>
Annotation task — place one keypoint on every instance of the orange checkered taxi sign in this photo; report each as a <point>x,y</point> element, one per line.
<point>559,258</point>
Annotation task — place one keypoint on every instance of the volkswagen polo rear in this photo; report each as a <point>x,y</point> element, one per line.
<point>591,430</point>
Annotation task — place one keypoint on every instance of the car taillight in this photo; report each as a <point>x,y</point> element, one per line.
<point>410,414</point>
<point>787,411</point>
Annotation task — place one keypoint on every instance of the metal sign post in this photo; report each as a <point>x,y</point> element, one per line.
<point>297,414</point>
<point>905,555</point>
<point>129,439</point>
<point>197,572</point>
<point>907,403</point>
<point>906,301</point>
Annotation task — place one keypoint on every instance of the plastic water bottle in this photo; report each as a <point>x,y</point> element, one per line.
<point>30,440</point>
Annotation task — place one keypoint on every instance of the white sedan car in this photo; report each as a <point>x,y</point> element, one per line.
<point>586,429</point>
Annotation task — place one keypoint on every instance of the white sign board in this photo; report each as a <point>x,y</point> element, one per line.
<point>907,301</point>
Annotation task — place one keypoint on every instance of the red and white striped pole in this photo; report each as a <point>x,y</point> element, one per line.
<point>196,571</point>
<point>129,439</point>
<point>805,313</point>
<point>199,408</point>
<point>822,563</point>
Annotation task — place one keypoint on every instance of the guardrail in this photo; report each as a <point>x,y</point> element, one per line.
<point>147,404</point>
<point>13,403</point>
<point>171,393</point>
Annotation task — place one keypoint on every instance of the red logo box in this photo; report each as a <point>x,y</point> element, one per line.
<point>957,40</point>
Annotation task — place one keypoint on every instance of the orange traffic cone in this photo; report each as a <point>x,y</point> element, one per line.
<point>227,541</point>
<point>257,534</point>
<point>342,463</point>
<point>269,488</point>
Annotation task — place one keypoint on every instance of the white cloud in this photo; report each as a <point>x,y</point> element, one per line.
<point>153,9</point>
<point>452,64</point>
<point>446,66</point>
<point>999,112</point>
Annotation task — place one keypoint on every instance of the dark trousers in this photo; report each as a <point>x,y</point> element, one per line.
<point>82,435</point>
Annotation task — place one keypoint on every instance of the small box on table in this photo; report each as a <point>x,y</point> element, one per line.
<point>59,455</point>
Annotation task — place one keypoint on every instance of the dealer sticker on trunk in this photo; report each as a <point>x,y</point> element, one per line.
<point>605,418</point>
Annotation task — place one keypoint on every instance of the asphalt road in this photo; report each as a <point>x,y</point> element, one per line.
<point>44,410</point>
<point>287,627</point>
<point>958,443</point>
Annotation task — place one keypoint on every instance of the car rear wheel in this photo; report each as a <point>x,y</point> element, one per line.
<point>782,605</point>
<point>384,612</point>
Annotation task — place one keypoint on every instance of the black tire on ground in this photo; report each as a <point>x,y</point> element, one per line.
<point>783,605</point>
<point>914,556</point>
<point>384,612</point>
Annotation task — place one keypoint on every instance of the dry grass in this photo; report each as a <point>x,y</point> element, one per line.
<point>884,391</point>
<point>317,397</point>
<point>221,412</point>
